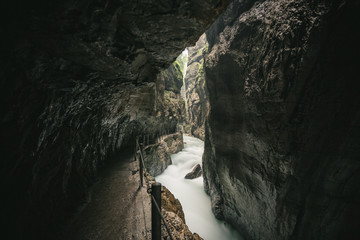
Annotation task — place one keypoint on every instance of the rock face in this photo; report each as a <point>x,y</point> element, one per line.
<point>78,85</point>
<point>282,146</point>
<point>173,142</point>
<point>195,172</point>
<point>197,106</point>
<point>157,156</point>
<point>227,19</point>
<point>174,216</point>
<point>156,159</point>
<point>168,97</point>
<point>173,77</point>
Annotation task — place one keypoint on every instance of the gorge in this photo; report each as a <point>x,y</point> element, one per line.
<point>190,192</point>
<point>271,87</point>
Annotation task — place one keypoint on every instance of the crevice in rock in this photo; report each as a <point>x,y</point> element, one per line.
<point>270,86</point>
<point>197,103</point>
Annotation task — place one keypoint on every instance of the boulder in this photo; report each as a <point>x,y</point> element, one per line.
<point>195,172</point>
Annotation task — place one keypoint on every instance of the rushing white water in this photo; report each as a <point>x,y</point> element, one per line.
<point>195,202</point>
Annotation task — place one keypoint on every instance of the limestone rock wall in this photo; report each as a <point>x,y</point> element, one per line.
<point>168,97</point>
<point>227,19</point>
<point>282,147</point>
<point>174,142</point>
<point>174,215</point>
<point>197,106</point>
<point>157,156</point>
<point>156,159</point>
<point>78,85</point>
<point>173,78</point>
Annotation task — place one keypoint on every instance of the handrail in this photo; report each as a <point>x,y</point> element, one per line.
<point>148,187</point>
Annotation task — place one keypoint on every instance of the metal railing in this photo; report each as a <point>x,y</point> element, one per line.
<point>155,190</point>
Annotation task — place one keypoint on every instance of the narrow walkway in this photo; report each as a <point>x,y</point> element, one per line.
<point>116,209</point>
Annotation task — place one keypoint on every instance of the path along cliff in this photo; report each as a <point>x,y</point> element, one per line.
<point>120,209</point>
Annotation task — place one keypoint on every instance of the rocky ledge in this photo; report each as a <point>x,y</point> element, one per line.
<point>157,156</point>
<point>174,215</point>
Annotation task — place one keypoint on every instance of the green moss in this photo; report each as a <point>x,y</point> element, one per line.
<point>173,77</point>
<point>200,75</point>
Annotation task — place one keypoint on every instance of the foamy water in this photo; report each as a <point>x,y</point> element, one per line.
<point>195,202</point>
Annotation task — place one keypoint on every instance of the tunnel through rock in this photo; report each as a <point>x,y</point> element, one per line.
<point>80,81</point>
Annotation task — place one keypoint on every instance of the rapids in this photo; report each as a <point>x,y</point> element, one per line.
<point>195,202</point>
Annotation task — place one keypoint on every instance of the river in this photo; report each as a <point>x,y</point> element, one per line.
<point>195,202</point>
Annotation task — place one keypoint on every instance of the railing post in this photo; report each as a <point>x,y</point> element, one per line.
<point>141,172</point>
<point>141,166</point>
<point>155,215</point>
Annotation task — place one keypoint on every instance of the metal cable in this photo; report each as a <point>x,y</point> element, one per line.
<point>148,187</point>
<point>147,180</point>
<point>158,209</point>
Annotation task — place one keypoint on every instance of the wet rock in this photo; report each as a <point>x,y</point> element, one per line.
<point>283,130</point>
<point>156,159</point>
<point>174,216</point>
<point>157,156</point>
<point>173,78</point>
<point>171,204</point>
<point>195,88</point>
<point>195,172</point>
<point>168,97</point>
<point>173,142</point>
<point>173,107</point>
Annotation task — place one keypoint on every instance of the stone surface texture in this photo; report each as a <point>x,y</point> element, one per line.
<point>168,96</point>
<point>157,156</point>
<point>173,77</point>
<point>195,172</point>
<point>197,103</point>
<point>227,18</point>
<point>282,141</point>
<point>174,216</point>
<point>78,85</point>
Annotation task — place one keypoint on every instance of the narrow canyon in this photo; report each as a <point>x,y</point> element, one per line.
<point>269,86</point>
